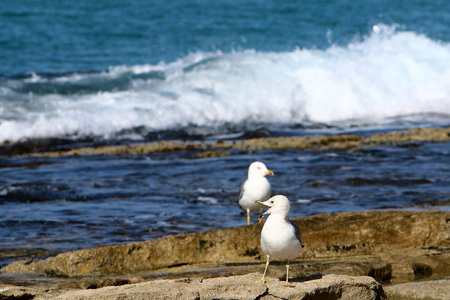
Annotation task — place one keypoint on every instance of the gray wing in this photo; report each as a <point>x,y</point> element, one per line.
<point>241,193</point>
<point>242,190</point>
<point>297,231</point>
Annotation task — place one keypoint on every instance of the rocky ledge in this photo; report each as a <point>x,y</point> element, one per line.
<point>393,247</point>
<point>412,137</point>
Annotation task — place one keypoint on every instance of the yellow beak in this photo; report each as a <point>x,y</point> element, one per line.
<point>268,172</point>
<point>267,211</point>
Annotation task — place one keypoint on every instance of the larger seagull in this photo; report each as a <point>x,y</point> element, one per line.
<point>280,238</point>
<point>255,188</point>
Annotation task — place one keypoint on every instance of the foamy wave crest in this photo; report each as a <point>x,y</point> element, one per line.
<point>389,73</point>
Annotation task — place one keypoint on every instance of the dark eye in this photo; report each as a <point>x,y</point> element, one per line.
<point>271,202</point>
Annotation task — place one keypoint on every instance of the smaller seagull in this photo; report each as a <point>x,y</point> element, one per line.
<point>280,238</point>
<point>255,188</point>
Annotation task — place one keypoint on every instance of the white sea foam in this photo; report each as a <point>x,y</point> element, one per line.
<point>389,73</point>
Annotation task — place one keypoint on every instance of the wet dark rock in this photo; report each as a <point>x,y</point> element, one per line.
<point>422,270</point>
<point>381,273</point>
<point>258,133</point>
<point>17,296</point>
<point>43,145</point>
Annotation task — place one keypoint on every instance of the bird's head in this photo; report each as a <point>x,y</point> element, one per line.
<point>258,168</point>
<point>277,204</point>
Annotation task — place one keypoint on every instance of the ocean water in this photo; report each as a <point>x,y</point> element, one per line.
<point>121,71</point>
<point>77,69</point>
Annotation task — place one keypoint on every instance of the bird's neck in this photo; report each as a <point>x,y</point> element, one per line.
<point>256,177</point>
<point>278,216</point>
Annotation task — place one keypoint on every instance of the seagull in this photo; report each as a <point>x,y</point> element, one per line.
<point>255,188</point>
<point>280,238</point>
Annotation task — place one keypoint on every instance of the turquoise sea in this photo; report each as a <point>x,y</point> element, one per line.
<point>86,73</point>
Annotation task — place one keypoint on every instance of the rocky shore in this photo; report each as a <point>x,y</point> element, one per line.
<point>406,251</point>
<point>51,148</point>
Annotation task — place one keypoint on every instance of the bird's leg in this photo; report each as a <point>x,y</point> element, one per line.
<point>260,216</point>
<point>263,279</point>
<point>248,217</point>
<point>287,273</point>
<point>287,276</point>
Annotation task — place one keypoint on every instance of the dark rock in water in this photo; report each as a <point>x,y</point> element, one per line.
<point>257,133</point>
<point>43,145</point>
<point>381,272</point>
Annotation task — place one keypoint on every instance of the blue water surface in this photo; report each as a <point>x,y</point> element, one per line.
<point>58,36</point>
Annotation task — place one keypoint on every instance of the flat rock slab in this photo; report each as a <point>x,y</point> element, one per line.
<point>239,287</point>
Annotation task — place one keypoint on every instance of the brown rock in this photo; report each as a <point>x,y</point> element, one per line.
<point>365,241</point>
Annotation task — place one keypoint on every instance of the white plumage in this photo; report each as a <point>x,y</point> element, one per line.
<point>280,238</point>
<point>255,188</point>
